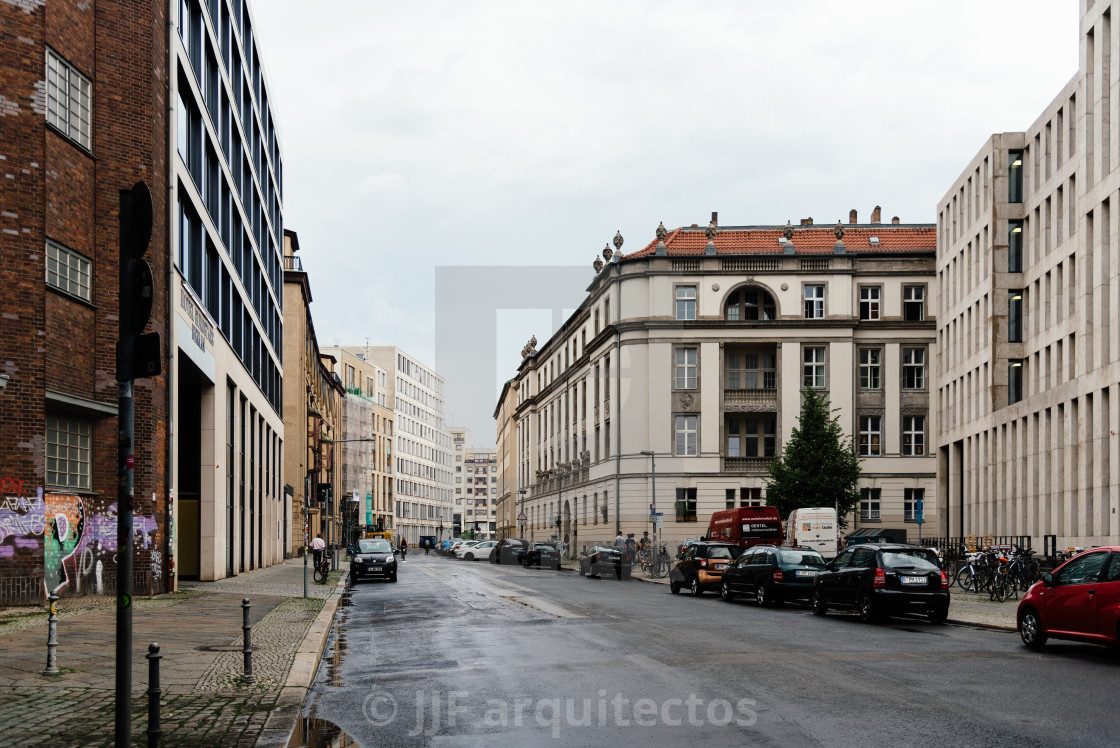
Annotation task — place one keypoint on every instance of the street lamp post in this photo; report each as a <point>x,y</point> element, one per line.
<point>521,500</point>
<point>652,491</point>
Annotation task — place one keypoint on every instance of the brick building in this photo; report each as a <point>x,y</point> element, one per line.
<point>83,102</point>
<point>93,98</point>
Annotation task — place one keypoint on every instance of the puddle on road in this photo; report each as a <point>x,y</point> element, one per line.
<point>312,732</point>
<point>334,664</point>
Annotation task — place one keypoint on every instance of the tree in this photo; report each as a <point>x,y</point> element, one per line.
<point>819,465</point>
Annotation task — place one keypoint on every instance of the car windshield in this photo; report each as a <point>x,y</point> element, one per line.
<point>374,546</point>
<point>543,547</point>
<point>802,558</point>
<point>723,551</point>
<point>917,559</point>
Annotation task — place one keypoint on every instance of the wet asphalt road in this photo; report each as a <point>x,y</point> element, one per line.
<point>461,653</point>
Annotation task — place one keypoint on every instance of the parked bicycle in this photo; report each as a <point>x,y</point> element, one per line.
<point>322,570</point>
<point>656,563</point>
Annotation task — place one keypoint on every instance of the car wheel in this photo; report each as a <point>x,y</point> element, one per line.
<point>760,596</point>
<point>1030,630</point>
<point>816,601</point>
<point>867,612</point>
<point>469,557</point>
<point>939,615</point>
<point>674,588</point>
<point>726,593</point>
<point>695,587</point>
<point>394,577</point>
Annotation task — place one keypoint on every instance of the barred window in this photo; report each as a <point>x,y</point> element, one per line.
<point>68,100</point>
<point>69,454</point>
<point>911,498</point>
<point>68,271</point>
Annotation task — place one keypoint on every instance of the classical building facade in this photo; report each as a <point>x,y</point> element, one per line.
<point>697,347</point>
<point>507,504</point>
<point>422,466</point>
<point>365,451</point>
<point>1027,279</point>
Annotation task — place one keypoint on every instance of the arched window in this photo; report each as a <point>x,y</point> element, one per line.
<point>750,304</point>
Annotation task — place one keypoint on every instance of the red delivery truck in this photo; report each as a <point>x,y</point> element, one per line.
<point>747,526</point>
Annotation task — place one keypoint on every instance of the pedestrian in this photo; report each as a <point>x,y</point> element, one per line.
<point>644,541</point>
<point>317,546</point>
<point>404,549</point>
<point>618,541</point>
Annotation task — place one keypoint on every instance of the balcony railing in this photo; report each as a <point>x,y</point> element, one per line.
<point>758,397</point>
<point>746,464</point>
<point>746,265</point>
<point>291,262</point>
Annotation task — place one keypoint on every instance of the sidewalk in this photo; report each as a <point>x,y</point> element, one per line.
<point>199,633</point>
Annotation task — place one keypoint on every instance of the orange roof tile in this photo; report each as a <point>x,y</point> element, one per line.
<point>817,239</point>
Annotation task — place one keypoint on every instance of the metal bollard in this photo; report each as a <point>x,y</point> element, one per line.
<point>52,637</point>
<point>247,649</point>
<point>154,692</point>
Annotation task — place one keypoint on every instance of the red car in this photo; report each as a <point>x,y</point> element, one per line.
<point>1079,600</point>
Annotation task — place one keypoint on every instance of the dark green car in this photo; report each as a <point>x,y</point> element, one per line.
<point>772,574</point>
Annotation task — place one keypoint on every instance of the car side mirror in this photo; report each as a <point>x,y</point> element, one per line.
<point>1048,579</point>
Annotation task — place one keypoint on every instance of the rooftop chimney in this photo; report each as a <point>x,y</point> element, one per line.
<point>895,220</point>
<point>875,214</point>
<point>852,217</point>
<point>715,218</point>
<point>807,221</point>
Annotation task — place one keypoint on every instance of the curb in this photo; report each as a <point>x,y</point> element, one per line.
<point>980,625</point>
<point>284,717</point>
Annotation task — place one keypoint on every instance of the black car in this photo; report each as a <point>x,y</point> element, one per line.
<point>373,557</point>
<point>508,551</point>
<point>701,566</point>
<point>772,574</point>
<point>544,555</point>
<point>598,560</point>
<point>880,580</point>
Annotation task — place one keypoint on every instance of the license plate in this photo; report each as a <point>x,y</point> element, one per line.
<point>806,573</point>
<point>914,580</point>
<point>719,567</point>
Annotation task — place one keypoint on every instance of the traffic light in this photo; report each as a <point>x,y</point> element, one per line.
<point>138,353</point>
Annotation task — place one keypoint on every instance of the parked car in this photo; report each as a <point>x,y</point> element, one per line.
<point>1079,601</point>
<point>685,544</point>
<point>479,550</point>
<point>508,551</point>
<point>544,555</point>
<point>373,557</point>
<point>771,574</point>
<point>880,580</point>
<point>598,560</point>
<point>465,546</point>
<point>701,566</point>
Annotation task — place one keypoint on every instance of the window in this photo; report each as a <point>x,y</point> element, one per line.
<point>1015,177</point>
<point>870,368</point>
<point>1015,316</point>
<point>686,368</point>
<point>869,507</point>
<point>750,371</point>
<point>868,302</point>
<point>1014,380</point>
<point>814,367</point>
<point>750,497</point>
<point>67,271</point>
<point>68,100</point>
<point>686,302</point>
<point>913,436</point>
<point>913,368</point>
<point>685,436</point>
<point>751,437</point>
<point>910,500</point>
<point>750,304</point>
<point>1014,246</point>
<point>814,302</point>
<point>913,303</point>
<point>729,498</point>
<point>870,436</point>
<point>686,505</point>
<point>1085,570</point>
<point>69,452</point>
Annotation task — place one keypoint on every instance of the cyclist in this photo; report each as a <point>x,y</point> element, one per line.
<point>317,546</point>
<point>404,549</point>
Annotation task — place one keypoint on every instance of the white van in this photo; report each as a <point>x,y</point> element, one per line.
<point>815,528</point>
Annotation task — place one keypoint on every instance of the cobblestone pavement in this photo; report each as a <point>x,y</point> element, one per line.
<point>200,635</point>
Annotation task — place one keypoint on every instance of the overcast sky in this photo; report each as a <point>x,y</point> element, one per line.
<point>420,135</point>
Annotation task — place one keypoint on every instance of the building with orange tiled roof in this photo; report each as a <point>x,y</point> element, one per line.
<point>696,347</point>
<point>1026,389</point>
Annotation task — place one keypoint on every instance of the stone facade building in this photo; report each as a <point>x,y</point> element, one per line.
<point>508,503</point>
<point>1028,286</point>
<point>697,348</point>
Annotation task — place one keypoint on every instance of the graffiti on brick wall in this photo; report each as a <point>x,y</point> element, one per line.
<point>73,537</point>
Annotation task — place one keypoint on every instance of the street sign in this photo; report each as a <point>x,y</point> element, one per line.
<point>918,511</point>
<point>522,518</point>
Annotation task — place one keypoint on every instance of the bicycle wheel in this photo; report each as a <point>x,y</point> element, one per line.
<point>320,576</point>
<point>966,579</point>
